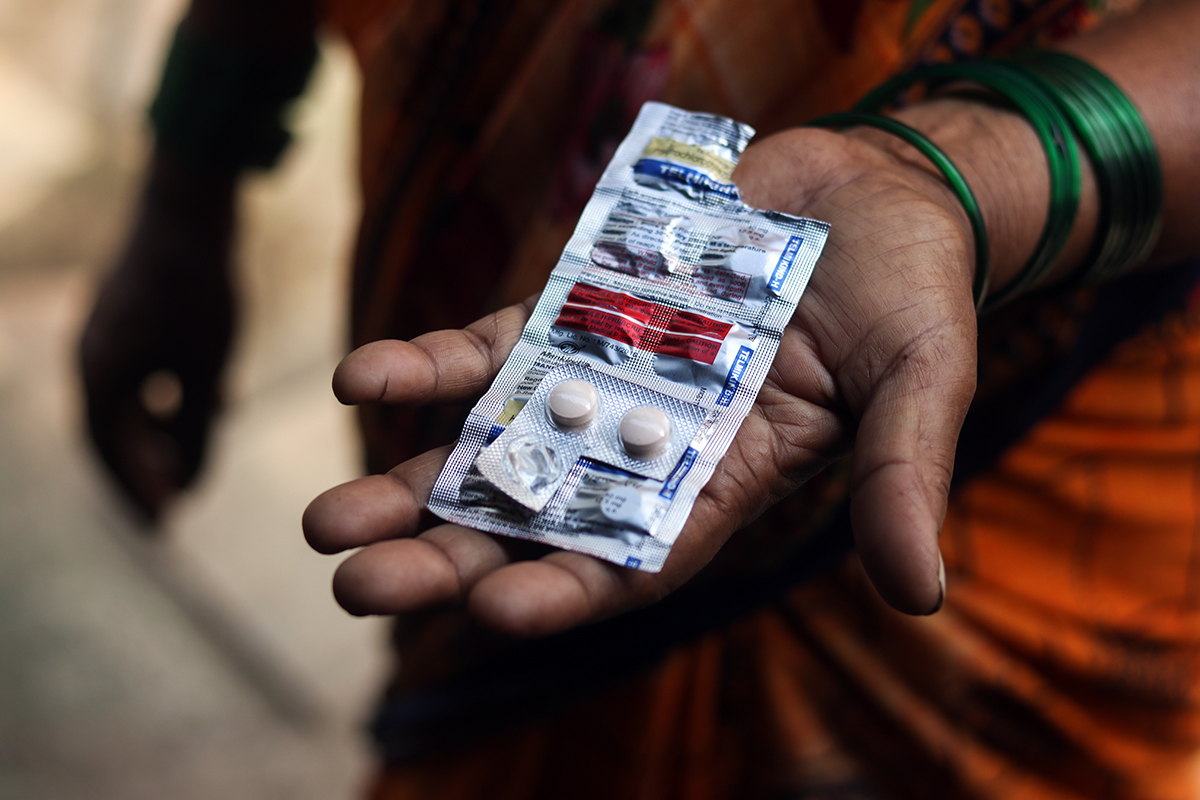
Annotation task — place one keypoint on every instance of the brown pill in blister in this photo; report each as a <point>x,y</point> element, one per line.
<point>645,432</point>
<point>573,404</point>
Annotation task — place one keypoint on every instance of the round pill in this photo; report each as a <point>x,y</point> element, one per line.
<point>644,432</point>
<point>573,404</point>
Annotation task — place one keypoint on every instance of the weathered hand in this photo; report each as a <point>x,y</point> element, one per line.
<point>880,355</point>
<point>157,339</point>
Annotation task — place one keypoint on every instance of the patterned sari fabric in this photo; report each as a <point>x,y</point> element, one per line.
<point>1065,661</point>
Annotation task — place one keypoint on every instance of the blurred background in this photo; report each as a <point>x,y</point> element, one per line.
<point>208,661</point>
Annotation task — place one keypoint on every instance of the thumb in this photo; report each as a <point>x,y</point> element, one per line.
<point>903,462</point>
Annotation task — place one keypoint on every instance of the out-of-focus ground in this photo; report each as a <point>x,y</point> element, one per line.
<point>211,661</point>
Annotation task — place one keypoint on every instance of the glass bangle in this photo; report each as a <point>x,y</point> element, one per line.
<point>944,165</point>
<point>1053,129</point>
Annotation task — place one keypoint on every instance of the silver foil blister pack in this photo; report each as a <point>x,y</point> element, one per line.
<point>661,318</point>
<point>530,460</point>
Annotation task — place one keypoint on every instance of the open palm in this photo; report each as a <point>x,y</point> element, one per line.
<point>880,356</point>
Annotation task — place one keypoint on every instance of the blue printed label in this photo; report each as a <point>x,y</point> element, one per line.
<point>734,379</point>
<point>676,477</point>
<point>684,176</point>
<point>785,264</point>
<point>633,563</point>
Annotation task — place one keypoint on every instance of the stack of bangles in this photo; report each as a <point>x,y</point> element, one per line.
<point>1064,99</point>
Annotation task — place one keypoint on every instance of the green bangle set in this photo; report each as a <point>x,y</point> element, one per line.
<point>1063,98</point>
<point>1051,126</point>
<point>1128,175</point>
<point>953,177</point>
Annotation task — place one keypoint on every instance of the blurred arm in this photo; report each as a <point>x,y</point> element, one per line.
<point>154,348</point>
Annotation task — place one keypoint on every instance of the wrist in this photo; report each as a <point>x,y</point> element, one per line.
<point>183,227</point>
<point>1003,161</point>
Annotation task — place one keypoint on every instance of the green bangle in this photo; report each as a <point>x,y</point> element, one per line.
<point>952,174</point>
<point>1102,146</point>
<point>1128,175</point>
<point>1052,127</point>
<point>221,105</point>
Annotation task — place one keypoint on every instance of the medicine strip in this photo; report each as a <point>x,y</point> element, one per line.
<point>657,327</point>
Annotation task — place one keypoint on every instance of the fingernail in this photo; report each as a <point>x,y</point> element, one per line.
<point>941,585</point>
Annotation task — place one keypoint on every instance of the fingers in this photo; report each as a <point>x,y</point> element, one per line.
<point>439,367</point>
<point>564,590</point>
<point>393,573</point>
<point>450,564</point>
<point>560,591</point>
<point>141,456</point>
<point>440,567</point>
<point>903,462</point>
<point>149,426</point>
<point>374,508</point>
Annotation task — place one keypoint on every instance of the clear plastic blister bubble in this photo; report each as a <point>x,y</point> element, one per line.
<point>669,301</point>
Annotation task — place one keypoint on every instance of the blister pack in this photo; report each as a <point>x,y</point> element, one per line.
<point>644,354</point>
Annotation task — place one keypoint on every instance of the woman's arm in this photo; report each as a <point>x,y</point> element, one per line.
<point>880,355</point>
<point>155,345</point>
<point>1152,56</point>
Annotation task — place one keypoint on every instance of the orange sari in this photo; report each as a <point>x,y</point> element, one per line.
<point>1064,663</point>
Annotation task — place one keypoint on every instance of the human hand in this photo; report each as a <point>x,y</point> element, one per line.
<point>155,344</point>
<point>880,354</point>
